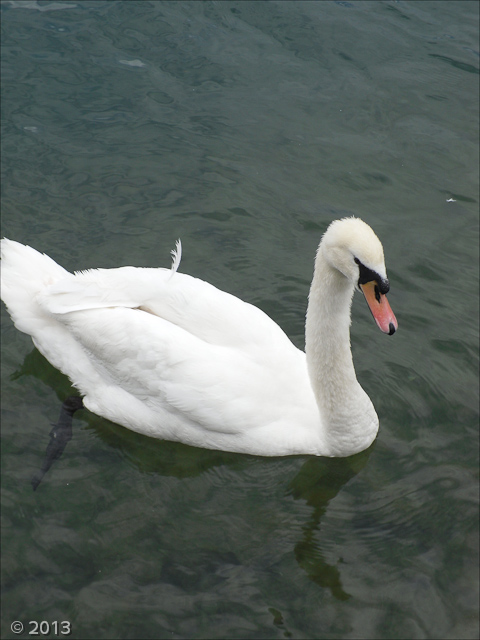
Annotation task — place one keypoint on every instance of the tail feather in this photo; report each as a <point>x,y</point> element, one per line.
<point>24,274</point>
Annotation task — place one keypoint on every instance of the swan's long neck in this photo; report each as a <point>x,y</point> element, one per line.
<point>347,413</point>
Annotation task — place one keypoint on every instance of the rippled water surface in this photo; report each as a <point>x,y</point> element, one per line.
<point>244,128</point>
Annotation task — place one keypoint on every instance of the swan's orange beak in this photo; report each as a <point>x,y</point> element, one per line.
<point>380,307</point>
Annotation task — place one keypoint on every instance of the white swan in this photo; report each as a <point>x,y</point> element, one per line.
<point>172,357</point>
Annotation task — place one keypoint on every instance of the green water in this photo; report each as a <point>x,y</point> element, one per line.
<point>244,128</point>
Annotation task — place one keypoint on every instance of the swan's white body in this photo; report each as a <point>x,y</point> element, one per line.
<point>173,357</point>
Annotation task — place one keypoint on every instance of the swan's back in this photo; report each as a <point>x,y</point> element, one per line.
<point>35,288</point>
<point>194,305</point>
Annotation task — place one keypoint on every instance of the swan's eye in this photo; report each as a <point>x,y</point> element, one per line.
<point>368,275</point>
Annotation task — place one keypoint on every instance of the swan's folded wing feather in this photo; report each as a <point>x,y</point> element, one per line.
<point>98,289</point>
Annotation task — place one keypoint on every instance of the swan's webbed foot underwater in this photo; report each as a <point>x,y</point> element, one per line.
<point>60,435</point>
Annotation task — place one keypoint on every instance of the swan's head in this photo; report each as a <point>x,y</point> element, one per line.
<point>351,246</point>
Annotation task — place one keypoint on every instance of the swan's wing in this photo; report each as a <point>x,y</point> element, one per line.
<point>154,377</point>
<point>189,303</point>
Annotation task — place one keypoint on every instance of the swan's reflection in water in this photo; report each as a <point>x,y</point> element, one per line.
<point>318,482</point>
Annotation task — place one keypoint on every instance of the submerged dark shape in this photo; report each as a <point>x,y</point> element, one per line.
<point>60,435</point>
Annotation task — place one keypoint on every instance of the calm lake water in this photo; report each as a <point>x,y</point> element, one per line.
<point>245,128</point>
